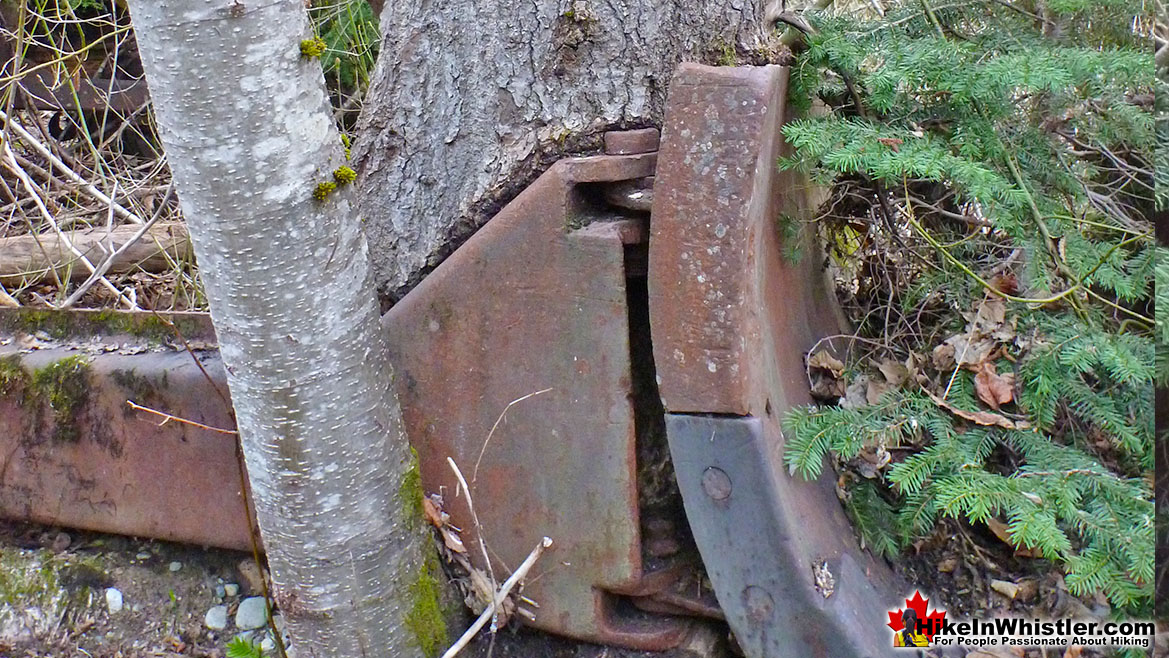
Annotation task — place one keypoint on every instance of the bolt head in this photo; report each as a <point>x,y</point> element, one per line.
<point>716,483</point>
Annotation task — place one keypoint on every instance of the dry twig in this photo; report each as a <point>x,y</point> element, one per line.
<point>67,171</point>
<point>488,613</point>
<point>166,418</point>
<point>475,472</point>
<point>30,187</point>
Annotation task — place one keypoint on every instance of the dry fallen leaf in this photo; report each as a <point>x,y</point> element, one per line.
<point>988,316</point>
<point>827,362</point>
<point>433,513</point>
<point>452,540</point>
<point>999,529</point>
<point>871,460</point>
<point>963,350</point>
<point>948,565</point>
<point>875,390</point>
<point>825,374</point>
<point>895,373</point>
<point>981,417</point>
<point>992,388</point>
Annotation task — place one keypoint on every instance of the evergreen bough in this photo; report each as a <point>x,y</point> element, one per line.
<point>995,150</point>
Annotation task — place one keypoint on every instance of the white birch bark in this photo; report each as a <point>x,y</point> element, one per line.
<point>471,99</point>
<point>247,130</point>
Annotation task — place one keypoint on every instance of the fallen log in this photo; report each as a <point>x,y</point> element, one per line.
<point>26,259</point>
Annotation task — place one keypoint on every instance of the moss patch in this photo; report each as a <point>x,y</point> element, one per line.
<point>13,378</point>
<point>64,385</point>
<point>425,618</point>
<point>323,190</point>
<point>312,48</point>
<point>64,324</point>
<point>410,494</point>
<point>142,389</point>
<point>344,175</point>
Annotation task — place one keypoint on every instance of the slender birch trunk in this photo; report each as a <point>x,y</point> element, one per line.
<point>248,132</point>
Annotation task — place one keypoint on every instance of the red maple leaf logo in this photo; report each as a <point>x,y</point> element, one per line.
<point>931,623</point>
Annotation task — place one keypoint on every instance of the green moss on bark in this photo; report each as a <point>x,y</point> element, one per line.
<point>425,619</point>
<point>410,494</point>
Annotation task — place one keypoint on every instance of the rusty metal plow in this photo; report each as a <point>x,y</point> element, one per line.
<point>664,328</point>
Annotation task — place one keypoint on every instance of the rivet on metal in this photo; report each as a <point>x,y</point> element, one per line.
<point>758,603</point>
<point>716,483</point>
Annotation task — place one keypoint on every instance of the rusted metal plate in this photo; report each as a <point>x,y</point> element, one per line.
<point>731,316</point>
<point>731,319</point>
<point>625,142</point>
<point>531,303</point>
<point>73,453</point>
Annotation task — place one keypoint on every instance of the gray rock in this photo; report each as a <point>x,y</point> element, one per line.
<point>252,613</point>
<point>175,566</point>
<point>113,600</point>
<point>216,618</point>
<point>220,591</point>
<point>268,644</point>
<point>231,589</point>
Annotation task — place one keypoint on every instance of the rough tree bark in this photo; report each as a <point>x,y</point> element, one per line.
<point>248,132</point>
<point>471,99</point>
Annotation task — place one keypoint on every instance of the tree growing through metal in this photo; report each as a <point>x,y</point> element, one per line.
<point>261,175</point>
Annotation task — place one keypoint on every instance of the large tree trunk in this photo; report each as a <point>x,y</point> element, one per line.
<point>248,131</point>
<point>471,99</point>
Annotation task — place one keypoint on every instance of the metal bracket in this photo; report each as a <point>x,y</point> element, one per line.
<point>782,571</point>
<point>732,317</point>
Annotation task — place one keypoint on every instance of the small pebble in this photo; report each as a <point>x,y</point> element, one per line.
<point>252,613</point>
<point>175,566</point>
<point>113,600</point>
<point>250,577</point>
<point>1005,587</point>
<point>61,542</point>
<point>268,644</point>
<point>143,556</point>
<point>216,618</point>
<point>231,589</point>
<point>220,590</point>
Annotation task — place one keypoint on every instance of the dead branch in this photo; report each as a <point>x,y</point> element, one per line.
<point>166,418</point>
<point>475,521</point>
<point>124,248</point>
<point>520,572</point>
<point>120,252</point>
<point>68,172</point>
<point>30,187</point>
